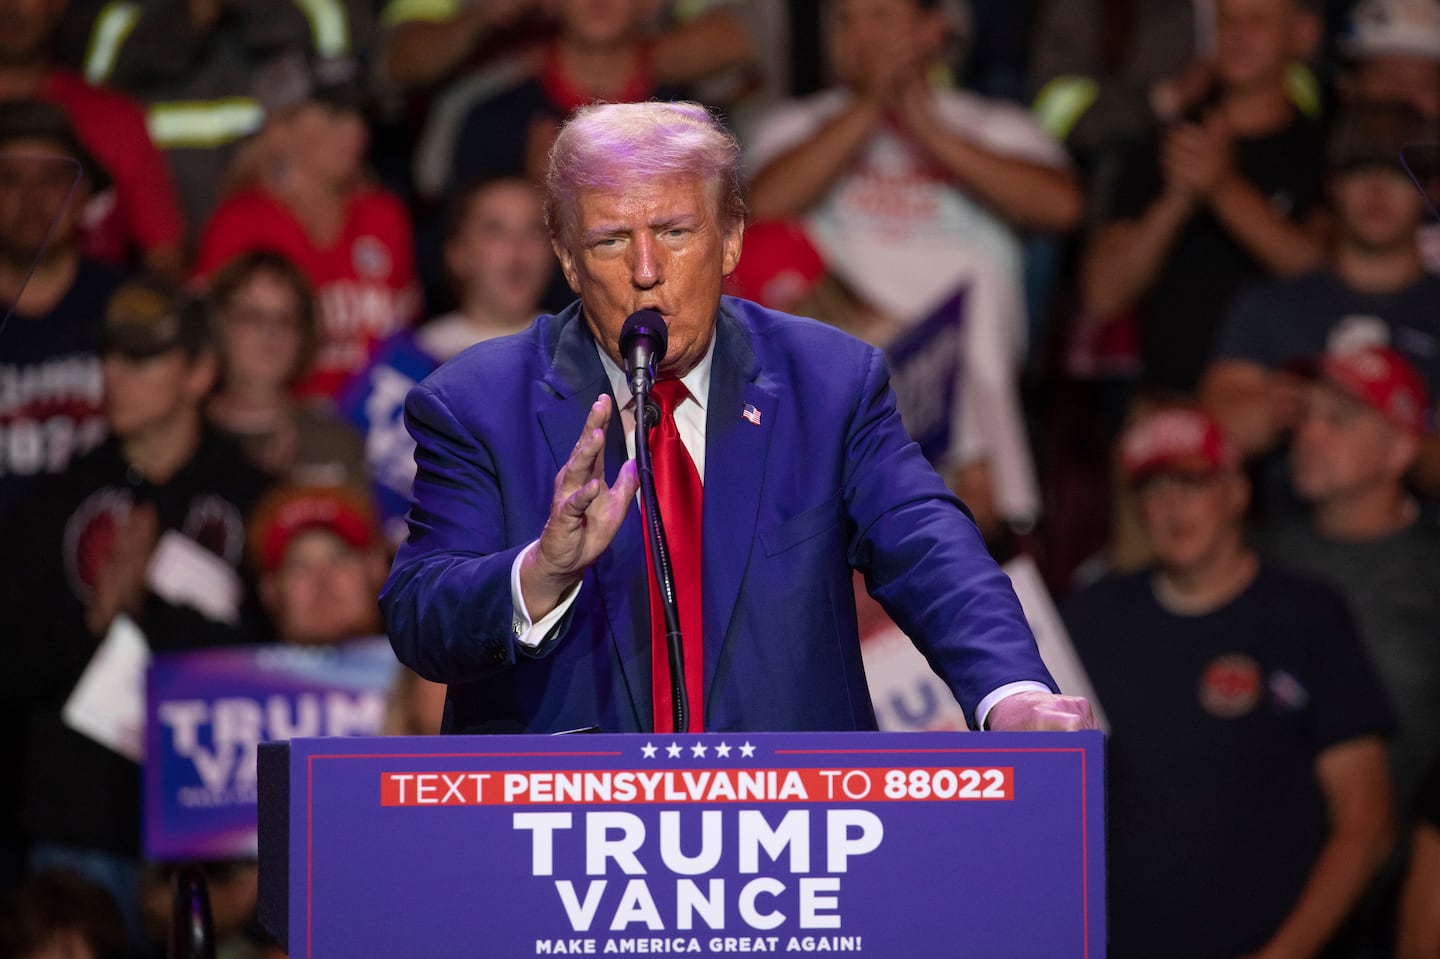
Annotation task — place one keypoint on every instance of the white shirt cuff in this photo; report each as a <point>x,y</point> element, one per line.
<point>532,634</point>
<point>982,712</point>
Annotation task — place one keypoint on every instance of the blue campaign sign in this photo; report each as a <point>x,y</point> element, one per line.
<point>885,844</point>
<point>207,711</point>
<point>926,364</point>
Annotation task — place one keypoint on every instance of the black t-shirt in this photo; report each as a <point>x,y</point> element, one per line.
<point>75,791</point>
<point>50,385</point>
<point>1214,813</point>
<point>1276,324</point>
<point>1180,314</point>
<point>49,414</point>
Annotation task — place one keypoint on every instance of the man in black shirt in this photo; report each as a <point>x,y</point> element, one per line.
<point>1249,799</point>
<point>49,349</point>
<point>1226,196</point>
<point>80,557</point>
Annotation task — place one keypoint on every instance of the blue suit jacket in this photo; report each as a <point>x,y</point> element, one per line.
<point>827,482</point>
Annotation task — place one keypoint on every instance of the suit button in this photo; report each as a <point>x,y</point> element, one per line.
<point>497,654</point>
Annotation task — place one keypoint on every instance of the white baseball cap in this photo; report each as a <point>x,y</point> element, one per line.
<point>1380,27</point>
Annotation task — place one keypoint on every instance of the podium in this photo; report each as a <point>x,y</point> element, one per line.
<point>891,845</point>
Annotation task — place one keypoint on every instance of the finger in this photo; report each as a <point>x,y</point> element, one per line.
<point>599,416</point>
<point>1176,151</point>
<point>144,524</point>
<point>608,513</point>
<point>140,531</point>
<point>580,468</point>
<point>1185,166</point>
<point>1055,718</point>
<point>1085,714</point>
<point>600,413</point>
<point>627,484</point>
<point>1188,135</point>
<point>122,547</point>
<point>578,502</point>
<point>1184,149</point>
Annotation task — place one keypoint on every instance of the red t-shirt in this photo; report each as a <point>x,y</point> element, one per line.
<point>143,211</point>
<point>365,285</point>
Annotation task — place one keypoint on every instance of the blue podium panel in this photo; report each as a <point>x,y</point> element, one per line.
<point>891,845</point>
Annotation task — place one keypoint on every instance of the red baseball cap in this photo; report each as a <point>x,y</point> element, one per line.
<point>291,510</point>
<point>1383,380</point>
<point>779,266</point>
<point>1175,439</point>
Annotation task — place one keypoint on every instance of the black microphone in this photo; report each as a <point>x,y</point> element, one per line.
<point>643,338</point>
<point>642,345</point>
<point>192,931</point>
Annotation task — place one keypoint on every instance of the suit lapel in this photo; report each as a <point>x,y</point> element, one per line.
<point>736,449</point>
<point>571,384</point>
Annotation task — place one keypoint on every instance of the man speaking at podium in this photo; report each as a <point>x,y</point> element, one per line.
<point>780,461</point>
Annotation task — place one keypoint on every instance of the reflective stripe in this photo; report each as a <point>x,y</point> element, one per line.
<point>1063,101</point>
<point>112,26</point>
<point>329,26</point>
<point>202,123</point>
<point>1303,89</point>
<point>398,11</point>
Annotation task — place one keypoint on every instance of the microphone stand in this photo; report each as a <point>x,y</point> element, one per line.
<point>645,412</point>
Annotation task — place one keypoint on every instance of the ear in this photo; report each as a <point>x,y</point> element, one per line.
<point>732,242</point>
<point>204,372</point>
<point>1239,496</point>
<point>567,264</point>
<point>453,261</point>
<point>377,566</point>
<point>269,592</point>
<point>1401,453</point>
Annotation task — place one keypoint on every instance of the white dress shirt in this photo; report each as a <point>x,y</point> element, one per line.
<point>689,420</point>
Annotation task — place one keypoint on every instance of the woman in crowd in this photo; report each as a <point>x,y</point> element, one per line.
<point>265,325</point>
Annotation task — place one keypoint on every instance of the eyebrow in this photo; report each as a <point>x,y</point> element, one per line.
<point>605,230</point>
<point>679,219</point>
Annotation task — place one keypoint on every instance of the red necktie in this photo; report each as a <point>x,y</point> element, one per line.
<point>678,489</point>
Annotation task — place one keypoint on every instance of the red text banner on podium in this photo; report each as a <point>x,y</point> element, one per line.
<point>887,845</point>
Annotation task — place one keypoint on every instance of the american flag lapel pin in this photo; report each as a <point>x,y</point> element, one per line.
<point>750,414</point>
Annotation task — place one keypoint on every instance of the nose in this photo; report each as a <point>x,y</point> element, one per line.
<point>645,270</point>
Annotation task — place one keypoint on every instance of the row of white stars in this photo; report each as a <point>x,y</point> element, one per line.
<point>674,750</point>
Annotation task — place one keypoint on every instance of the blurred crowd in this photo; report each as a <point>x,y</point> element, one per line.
<point>1198,354</point>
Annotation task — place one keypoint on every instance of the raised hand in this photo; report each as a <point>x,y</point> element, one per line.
<point>1197,157</point>
<point>120,577</point>
<point>585,515</point>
